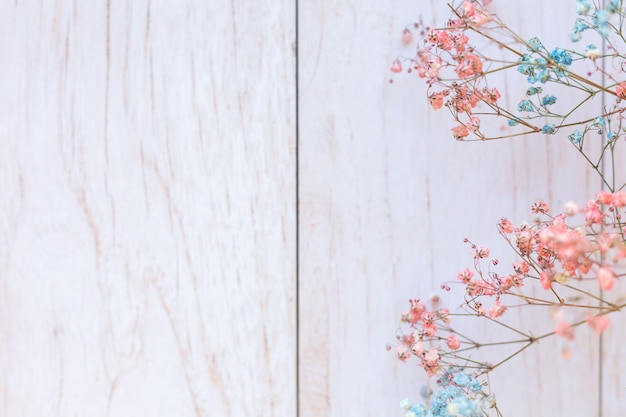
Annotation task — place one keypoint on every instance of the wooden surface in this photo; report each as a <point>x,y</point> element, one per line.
<point>148,209</point>
<point>148,214</point>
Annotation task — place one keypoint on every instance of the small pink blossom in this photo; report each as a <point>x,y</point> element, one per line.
<point>431,361</point>
<point>465,276</point>
<point>521,268</point>
<point>403,353</point>
<point>481,252</point>
<point>453,342</point>
<point>497,310</point>
<point>460,132</point>
<point>618,199</point>
<point>539,207</point>
<point>407,36</point>
<point>564,330</point>
<point>491,95</point>
<point>417,348</point>
<point>598,323</point>
<point>396,66</point>
<point>459,40</point>
<point>545,279</point>
<point>473,124</point>
<point>606,278</point>
<point>436,100</point>
<point>469,66</point>
<point>620,89</point>
<point>505,225</point>
<point>570,208</point>
<point>593,215</point>
<point>603,197</point>
<point>468,7</point>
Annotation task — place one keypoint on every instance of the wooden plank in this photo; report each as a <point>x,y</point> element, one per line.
<point>386,199</point>
<point>148,208</point>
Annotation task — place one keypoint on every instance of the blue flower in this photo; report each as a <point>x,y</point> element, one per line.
<point>462,379</point>
<point>575,37</point>
<point>582,7</point>
<point>612,135</point>
<point>580,25</point>
<point>575,137</point>
<point>600,17</point>
<point>465,407</point>
<point>547,100</point>
<point>613,6</point>
<point>534,44</point>
<point>526,105</point>
<point>561,56</point>
<point>475,385</point>
<point>534,90</point>
<point>599,122</point>
<point>548,129</point>
<point>513,122</point>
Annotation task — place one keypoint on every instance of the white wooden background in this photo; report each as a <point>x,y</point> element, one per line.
<point>149,255</point>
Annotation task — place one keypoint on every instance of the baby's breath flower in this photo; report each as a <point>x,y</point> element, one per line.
<point>526,105</point>
<point>592,52</point>
<point>582,7</point>
<point>549,129</point>
<point>575,137</point>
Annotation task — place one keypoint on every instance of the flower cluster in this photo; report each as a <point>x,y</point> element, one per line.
<point>570,261</point>
<point>463,79</point>
<point>460,394</point>
<point>552,255</point>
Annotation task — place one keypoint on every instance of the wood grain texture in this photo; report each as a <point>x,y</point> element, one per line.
<point>148,208</point>
<point>387,197</point>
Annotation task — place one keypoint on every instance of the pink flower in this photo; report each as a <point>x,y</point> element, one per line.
<point>465,276</point>
<point>429,330</point>
<point>453,342</point>
<point>598,323</point>
<point>545,279</point>
<point>491,96</point>
<point>459,40</point>
<point>473,124</point>
<point>428,68</point>
<point>564,330</point>
<point>505,225</point>
<point>603,197</point>
<point>396,66</point>
<point>570,208</point>
<point>618,199</point>
<point>436,100</point>
<point>521,268</point>
<point>403,353</point>
<point>606,278</point>
<point>432,356</point>
<point>481,252</point>
<point>469,9</point>
<point>417,348</point>
<point>620,89</point>
<point>407,36</point>
<point>497,310</point>
<point>460,132</point>
<point>593,215</point>
<point>540,207</point>
<point>469,66</point>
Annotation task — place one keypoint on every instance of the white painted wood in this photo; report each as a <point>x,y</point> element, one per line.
<point>387,197</point>
<point>147,242</point>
